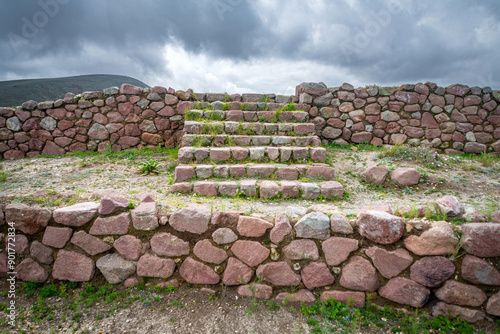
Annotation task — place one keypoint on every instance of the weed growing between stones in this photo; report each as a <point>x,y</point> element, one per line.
<point>335,317</point>
<point>429,158</point>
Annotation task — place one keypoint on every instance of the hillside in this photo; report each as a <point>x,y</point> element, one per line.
<point>15,92</point>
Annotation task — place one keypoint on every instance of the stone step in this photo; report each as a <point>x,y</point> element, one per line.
<point>270,116</point>
<point>262,189</point>
<point>239,140</point>
<point>249,128</point>
<point>255,171</point>
<point>257,153</point>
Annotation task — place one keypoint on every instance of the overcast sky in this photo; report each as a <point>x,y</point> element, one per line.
<point>254,46</point>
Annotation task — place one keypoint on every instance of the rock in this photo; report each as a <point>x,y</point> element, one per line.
<point>166,244</point>
<point>252,226</point>
<point>482,239</point>
<point>337,249</point>
<point>183,173</point>
<point>380,227</point>
<point>190,220</point>
<point>250,252</point>
<point>473,147</point>
<point>359,274</point>
<point>339,224</point>
<point>236,272</point>
<point>438,240</point>
<point>129,247</point>
<point>97,132</point>
<point>223,236</point>
<point>41,253</point>
<point>454,311</point>
<point>73,267</point>
<point>3,264</point>
<point>14,124</point>
<point>115,268</point>
<point>493,305</point>
<point>457,293</point>
<point>196,272</point>
<point>30,271</point>
<point>154,266</point>
<point>301,296</point>
<point>259,291</point>
<point>312,88</point>
<point>389,263</point>
<point>332,189</point>
<point>278,273</point>
<point>451,206</point>
<point>76,215</point>
<point>205,188</point>
<point>144,216</point>
<point>144,197</point>
<point>111,225</point>
<point>28,220</point>
<point>130,89</point>
<point>20,243</point>
<point>350,298</point>
<point>375,174</point>
<point>226,218</point>
<point>479,271</point>
<point>310,190</point>
<point>110,205</point>
<point>281,228</point>
<point>432,271</point>
<point>405,291</point>
<point>56,237</point>
<point>315,225</point>
<point>92,245</point>
<point>495,217</point>
<point>316,274</point>
<point>269,189</point>
<point>130,282</point>
<point>405,176</point>
<point>206,252</point>
<point>303,249</point>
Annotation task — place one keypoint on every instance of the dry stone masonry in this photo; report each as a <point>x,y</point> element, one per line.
<point>319,252</point>
<point>456,119</point>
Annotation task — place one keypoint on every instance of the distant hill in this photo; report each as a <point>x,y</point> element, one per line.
<point>15,92</point>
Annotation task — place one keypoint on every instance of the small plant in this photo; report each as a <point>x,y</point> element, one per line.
<point>288,107</point>
<point>227,98</point>
<point>487,160</point>
<point>429,158</point>
<point>244,106</point>
<point>149,166</point>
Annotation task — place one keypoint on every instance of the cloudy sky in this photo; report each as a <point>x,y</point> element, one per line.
<point>254,45</point>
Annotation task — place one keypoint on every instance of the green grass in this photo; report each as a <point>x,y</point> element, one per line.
<point>336,317</point>
<point>429,158</point>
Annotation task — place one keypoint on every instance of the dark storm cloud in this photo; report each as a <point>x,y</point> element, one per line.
<point>127,29</point>
<point>383,42</point>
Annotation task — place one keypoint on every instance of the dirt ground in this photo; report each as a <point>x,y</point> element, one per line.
<point>62,181</point>
<point>67,180</point>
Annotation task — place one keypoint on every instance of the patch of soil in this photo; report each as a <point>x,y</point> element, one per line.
<point>62,181</point>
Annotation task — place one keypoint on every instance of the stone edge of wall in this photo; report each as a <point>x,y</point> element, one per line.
<point>323,252</point>
<point>457,118</point>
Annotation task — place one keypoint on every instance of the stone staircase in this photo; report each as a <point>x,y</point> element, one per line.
<point>266,154</point>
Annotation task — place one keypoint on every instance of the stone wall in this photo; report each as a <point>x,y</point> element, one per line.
<point>320,252</point>
<point>456,118</point>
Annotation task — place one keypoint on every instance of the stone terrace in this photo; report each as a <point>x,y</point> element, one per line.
<point>235,152</point>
